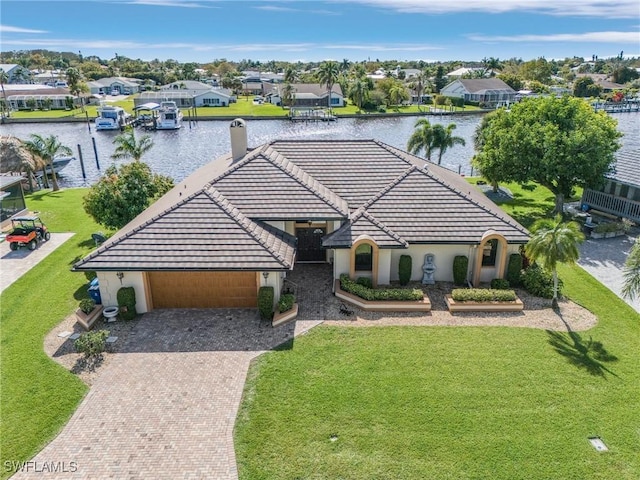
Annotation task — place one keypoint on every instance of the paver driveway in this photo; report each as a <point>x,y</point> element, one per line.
<point>166,404</point>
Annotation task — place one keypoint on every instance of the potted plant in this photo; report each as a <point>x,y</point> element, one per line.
<point>88,312</point>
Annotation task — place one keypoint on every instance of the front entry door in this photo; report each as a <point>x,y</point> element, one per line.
<point>310,244</point>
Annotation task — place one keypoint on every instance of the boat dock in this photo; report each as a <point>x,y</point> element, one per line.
<point>617,107</point>
<point>311,115</point>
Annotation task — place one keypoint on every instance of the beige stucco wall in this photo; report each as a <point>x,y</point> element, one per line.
<point>273,280</point>
<point>110,284</point>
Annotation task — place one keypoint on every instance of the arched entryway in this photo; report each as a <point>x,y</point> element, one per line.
<point>491,257</point>
<point>364,259</point>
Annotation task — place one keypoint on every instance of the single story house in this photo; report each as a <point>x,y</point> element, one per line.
<point>12,203</point>
<point>620,194</point>
<point>111,85</point>
<point>184,98</point>
<point>490,91</point>
<point>308,95</point>
<point>244,220</point>
<point>16,73</point>
<point>20,96</point>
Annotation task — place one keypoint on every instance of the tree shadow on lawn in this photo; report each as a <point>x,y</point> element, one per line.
<point>590,354</point>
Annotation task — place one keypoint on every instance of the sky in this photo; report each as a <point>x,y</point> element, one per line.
<point>287,30</point>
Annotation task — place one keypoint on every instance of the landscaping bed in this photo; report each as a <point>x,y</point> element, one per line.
<point>375,305</point>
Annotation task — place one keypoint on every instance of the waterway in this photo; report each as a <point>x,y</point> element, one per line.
<point>180,152</point>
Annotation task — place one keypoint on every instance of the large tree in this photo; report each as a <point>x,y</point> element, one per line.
<point>560,143</point>
<point>123,193</point>
<point>553,242</point>
<point>48,148</point>
<point>129,147</point>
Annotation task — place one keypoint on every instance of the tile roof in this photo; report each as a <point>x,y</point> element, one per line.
<point>202,232</point>
<point>363,223</point>
<point>421,208</point>
<point>627,168</point>
<point>268,186</point>
<point>479,85</point>
<point>356,170</point>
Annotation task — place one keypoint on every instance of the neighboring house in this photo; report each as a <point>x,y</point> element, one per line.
<point>53,78</point>
<point>19,97</point>
<point>603,81</point>
<point>12,203</point>
<point>245,219</point>
<point>16,73</point>
<point>490,91</point>
<point>118,85</point>
<point>620,194</point>
<point>471,71</point>
<point>206,96</point>
<point>308,95</point>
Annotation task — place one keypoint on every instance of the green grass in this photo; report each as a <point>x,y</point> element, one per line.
<point>452,403</point>
<point>243,107</point>
<point>38,396</point>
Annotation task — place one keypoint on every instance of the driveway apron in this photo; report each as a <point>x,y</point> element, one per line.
<point>166,404</point>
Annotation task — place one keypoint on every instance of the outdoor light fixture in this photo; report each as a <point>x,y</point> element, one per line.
<point>265,275</point>
<point>120,275</point>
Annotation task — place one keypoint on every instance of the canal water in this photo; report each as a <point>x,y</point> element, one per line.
<point>180,152</point>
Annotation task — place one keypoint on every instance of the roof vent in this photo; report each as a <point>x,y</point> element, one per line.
<point>238,131</point>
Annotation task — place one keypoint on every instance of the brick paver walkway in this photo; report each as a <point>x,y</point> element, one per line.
<point>165,406</point>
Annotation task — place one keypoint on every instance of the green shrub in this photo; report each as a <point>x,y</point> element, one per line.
<point>539,282</point>
<point>460,268</point>
<point>365,282</point>
<point>286,302</point>
<point>265,302</point>
<point>514,268</point>
<point>482,295</point>
<point>371,294</point>
<point>127,302</point>
<point>500,284</point>
<point>92,344</point>
<point>404,269</point>
<point>87,305</point>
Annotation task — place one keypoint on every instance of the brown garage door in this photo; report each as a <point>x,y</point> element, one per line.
<point>203,289</point>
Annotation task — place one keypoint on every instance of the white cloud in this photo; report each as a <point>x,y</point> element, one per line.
<point>600,37</point>
<point>591,8</point>
<point>10,29</point>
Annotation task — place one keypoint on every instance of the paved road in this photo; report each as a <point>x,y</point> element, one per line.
<point>604,259</point>
<point>15,264</point>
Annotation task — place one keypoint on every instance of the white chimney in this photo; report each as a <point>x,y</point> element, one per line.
<point>238,130</point>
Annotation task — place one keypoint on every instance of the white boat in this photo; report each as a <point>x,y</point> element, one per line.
<point>59,162</point>
<point>169,116</point>
<point>111,117</point>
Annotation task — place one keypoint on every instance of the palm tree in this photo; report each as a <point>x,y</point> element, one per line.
<point>4,78</point>
<point>631,272</point>
<point>288,94</point>
<point>290,75</point>
<point>444,139</point>
<point>422,138</point>
<point>358,91</point>
<point>48,148</point>
<point>328,75</point>
<point>129,147</point>
<point>554,241</point>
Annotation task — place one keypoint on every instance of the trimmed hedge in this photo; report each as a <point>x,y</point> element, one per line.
<point>404,269</point>
<point>375,294</point>
<point>500,284</point>
<point>365,282</point>
<point>265,302</point>
<point>514,269</point>
<point>482,295</point>
<point>286,302</point>
<point>460,268</point>
<point>127,302</point>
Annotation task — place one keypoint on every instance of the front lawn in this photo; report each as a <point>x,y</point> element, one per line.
<point>458,403</point>
<point>38,396</point>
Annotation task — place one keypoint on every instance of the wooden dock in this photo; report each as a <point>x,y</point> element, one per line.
<point>311,115</point>
<point>617,107</point>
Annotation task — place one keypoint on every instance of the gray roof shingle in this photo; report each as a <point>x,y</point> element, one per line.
<point>627,168</point>
<point>363,223</point>
<point>202,232</point>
